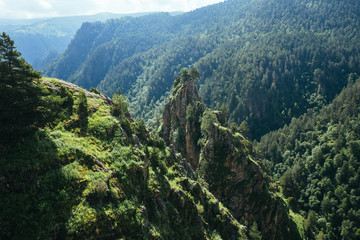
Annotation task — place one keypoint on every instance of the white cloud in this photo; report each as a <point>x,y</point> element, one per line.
<point>44,4</point>
<point>52,8</point>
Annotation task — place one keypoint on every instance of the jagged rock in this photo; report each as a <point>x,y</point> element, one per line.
<point>226,163</point>
<point>87,187</point>
<point>181,121</point>
<point>237,181</point>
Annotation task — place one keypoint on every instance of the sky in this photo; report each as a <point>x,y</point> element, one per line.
<point>27,9</point>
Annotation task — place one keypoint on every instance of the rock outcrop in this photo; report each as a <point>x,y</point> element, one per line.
<point>226,162</point>
<point>181,119</point>
<point>236,179</point>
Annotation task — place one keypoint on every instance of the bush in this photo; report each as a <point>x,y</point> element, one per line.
<point>99,192</point>
<point>207,121</point>
<point>120,105</point>
<point>83,113</point>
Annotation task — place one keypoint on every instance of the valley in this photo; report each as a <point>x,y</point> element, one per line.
<point>238,120</point>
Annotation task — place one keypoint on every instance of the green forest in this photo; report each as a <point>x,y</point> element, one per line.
<point>315,161</point>
<point>239,120</point>
<point>268,61</point>
<point>41,40</point>
<point>75,165</point>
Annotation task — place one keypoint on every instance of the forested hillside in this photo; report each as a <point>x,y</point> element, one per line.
<point>75,165</point>
<point>92,172</point>
<point>42,40</point>
<point>268,61</point>
<point>316,160</point>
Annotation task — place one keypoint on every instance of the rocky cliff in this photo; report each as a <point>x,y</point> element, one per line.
<point>181,118</point>
<point>227,164</point>
<point>226,161</point>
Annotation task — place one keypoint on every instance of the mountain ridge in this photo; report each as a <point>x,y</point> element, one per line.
<point>110,179</point>
<point>41,40</point>
<point>275,50</point>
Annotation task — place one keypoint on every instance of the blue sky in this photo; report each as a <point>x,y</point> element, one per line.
<point>26,9</point>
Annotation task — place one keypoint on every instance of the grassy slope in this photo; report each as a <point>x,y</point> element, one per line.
<point>115,181</point>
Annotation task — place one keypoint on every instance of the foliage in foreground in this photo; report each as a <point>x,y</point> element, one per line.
<point>109,178</point>
<point>87,170</point>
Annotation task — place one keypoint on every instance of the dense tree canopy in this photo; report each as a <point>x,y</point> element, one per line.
<point>268,61</point>
<point>91,175</point>
<point>316,159</point>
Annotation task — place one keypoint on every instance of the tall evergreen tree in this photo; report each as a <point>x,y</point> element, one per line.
<point>20,94</point>
<point>83,113</point>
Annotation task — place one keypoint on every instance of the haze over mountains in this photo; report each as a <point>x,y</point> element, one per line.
<point>74,164</point>
<point>41,40</point>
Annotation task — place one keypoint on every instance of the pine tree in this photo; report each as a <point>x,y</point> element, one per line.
<point>20,94</point>
<point>120,106</point>
<point>254,232</point>
<point>194,73</point>
<point>83,113</point>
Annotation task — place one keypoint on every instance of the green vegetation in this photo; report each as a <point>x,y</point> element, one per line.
<point>316,162</point>
<point>86,174</point>
<point>254,232</point>
<point>267,61</point>
<point>75,165</point>
<point>20,105</point>
<point>41,40</point>
<point>230,167</point>
<point>83,113</point>
<point>207,121</point>
<point>225,161</point>
<point>120,105</point>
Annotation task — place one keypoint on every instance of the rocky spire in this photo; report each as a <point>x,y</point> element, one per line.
<point>226,161</point>
<point>181,117</point>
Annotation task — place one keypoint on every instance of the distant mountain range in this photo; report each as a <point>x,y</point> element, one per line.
<point>41,40</point>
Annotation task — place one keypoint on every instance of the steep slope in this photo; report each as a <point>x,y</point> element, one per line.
<point>268,61</point>
<point>227,164</point>
<point>316,160</point>
<point>92,174</point>
<point>101,45</point>
<point>181,118</point>
<point>225,160</point>
<point>41,40</point>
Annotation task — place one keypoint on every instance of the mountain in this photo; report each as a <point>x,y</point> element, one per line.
<point>268,61</point>
<point>87,170</point>
<point>41,40</point>
<point>316,160</point>
<point>75,165</point>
